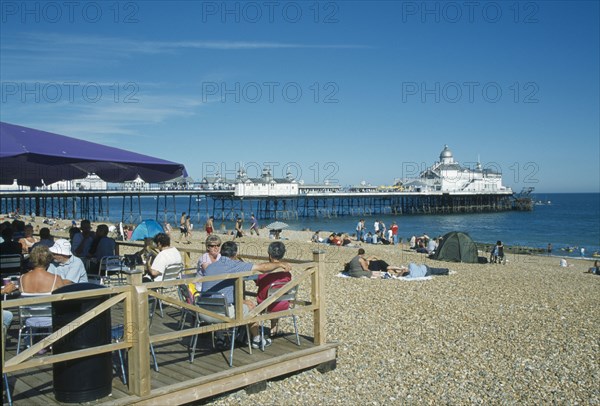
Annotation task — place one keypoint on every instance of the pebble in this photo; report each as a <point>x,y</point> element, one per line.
<point>524,332</point>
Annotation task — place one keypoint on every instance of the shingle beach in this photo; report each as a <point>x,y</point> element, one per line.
<point>522,333</point>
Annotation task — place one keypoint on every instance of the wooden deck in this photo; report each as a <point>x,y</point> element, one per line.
<point>177,380</point>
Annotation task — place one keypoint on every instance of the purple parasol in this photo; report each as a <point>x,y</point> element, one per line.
<point>30,156</point>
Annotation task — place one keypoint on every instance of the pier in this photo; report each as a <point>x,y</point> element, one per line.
<point>102,205</point>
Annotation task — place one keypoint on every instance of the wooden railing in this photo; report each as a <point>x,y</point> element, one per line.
<point>137,337</point>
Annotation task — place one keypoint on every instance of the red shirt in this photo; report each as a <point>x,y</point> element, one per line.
<point>264,281</point>
<point>395,229</point>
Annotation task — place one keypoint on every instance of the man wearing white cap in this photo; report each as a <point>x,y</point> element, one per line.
<point>66,265</point>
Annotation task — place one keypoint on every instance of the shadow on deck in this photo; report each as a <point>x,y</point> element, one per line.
<point>178,381</point>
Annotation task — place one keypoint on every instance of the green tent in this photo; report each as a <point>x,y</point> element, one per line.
<point>456,246</point>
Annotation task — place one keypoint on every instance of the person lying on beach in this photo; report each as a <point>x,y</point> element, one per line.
<point>371,267</point>
<point>420,271</point>
<point>315,237</point>
<point>334,239</point>
<point>595,269</point>
<point>346,240</point>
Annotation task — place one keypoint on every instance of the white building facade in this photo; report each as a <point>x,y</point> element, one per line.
<point>266,185</point>
<point>447,176</point>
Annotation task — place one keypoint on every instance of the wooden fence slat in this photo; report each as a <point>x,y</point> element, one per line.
<point>64,331</point>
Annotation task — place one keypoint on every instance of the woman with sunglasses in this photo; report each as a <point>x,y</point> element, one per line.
<point>212,254</point>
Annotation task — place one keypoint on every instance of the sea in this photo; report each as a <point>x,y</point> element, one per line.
<point>568,221</point>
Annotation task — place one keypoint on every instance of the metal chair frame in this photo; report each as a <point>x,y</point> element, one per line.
<point>33,317</point>
<point>11,264</point>
<point>110,270</point>
<point>118,331</point>
<point>216,303</point>
<point>289,296</point>
<point>171,272</point>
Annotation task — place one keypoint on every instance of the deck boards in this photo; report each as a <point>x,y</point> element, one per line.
<point>34,387</point>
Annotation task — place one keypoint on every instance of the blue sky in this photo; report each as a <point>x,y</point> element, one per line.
<point>340,91</point>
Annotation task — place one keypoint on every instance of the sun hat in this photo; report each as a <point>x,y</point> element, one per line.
<point>61,247</point>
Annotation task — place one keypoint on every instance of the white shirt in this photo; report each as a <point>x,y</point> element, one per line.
<point>169,256</point>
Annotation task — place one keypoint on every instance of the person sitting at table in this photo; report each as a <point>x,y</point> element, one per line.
<point>148,252</point>
<point>229,264</point>
<point>212,254</point>
<point>46,238</point>
<point>102,246</point>
<point>7,316</point>
<point>167,255</point>
<point>276,252</point>
<point>82,242</point>
<point>8,246</point>
<point>66,265</point>
<point>28,240</point>
<point>39,280</point>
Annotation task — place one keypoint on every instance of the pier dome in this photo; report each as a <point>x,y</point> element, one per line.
<point>446,155</point>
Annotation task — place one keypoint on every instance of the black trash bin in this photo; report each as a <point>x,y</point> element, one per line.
<point>83,379</point>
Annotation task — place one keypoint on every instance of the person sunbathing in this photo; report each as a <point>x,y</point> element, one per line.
<point>371,267</point>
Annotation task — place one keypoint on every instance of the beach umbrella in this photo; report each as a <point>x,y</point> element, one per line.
<point>146,229</point>
<point>277,225</point>
<point>34,157</point>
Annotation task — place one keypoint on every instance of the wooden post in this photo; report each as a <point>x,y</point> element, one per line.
<point>187,259</point>
<point>318,298</point>
<point>239,299</point>
<point>137,330</point>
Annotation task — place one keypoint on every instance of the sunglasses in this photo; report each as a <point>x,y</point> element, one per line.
<point>212,246</point>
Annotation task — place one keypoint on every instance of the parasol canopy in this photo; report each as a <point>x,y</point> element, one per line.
<point>34,157</point>
<point>277,225</point>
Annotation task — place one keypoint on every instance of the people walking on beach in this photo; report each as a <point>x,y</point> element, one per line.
<point>182,226</point>
<point>360,230</point>
<point>394,229</point>
<point>382,229</point>
<point>168,228</point>
<point>497,254</point>
<point>188,227</point>
<point>254,225</point>
<point>549,248</point>
<point>209,226</point>
<point>239,228</point>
